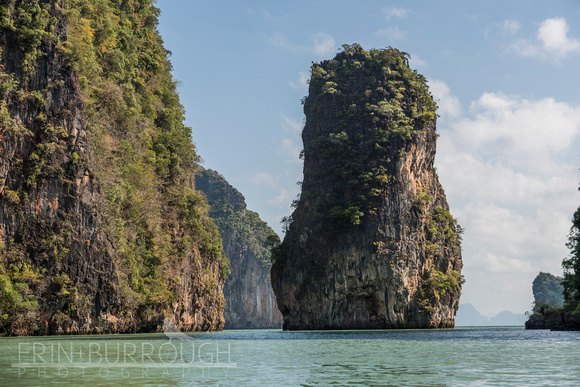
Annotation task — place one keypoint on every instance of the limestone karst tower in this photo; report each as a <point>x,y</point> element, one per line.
<point>371,243</point>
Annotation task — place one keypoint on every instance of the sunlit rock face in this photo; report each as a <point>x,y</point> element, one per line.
<point>371,243</point>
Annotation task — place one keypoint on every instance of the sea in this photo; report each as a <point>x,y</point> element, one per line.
<point>478,356</point>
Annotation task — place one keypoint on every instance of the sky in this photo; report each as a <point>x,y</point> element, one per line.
<point>505,76</point>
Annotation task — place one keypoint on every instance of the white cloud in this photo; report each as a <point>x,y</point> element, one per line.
<point>291,146</point>
<point>502,264</point>
<point>263,14</point>
<point>506,169</point>
<point>505,28</point>
<point>280,40</point>
<point>449,105</point>
<point>499,291</point>
<point>283,193</point>
<point>281,200</point>
<point>301,83</point>
<point>290,125</point>
<point>391,33</point>
<point>552,41</point>
<point>395,12</point>
<point>510,26</point>
<point>524,132</point>
<point>279,186</point>
<point>292,149</point>
<point>415,61</point>
<point>515,146</point>
<point>322,44</point>
<point>264,178</point>
<point>283,196</point>
<point>553,35</point>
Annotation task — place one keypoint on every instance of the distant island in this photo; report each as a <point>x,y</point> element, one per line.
<point>467,315</point>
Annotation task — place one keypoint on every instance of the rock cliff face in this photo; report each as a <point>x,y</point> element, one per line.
<point>100,229</point>
<point>371,243</point>
<point>250,301</point>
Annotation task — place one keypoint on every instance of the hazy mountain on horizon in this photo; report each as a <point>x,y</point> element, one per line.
<point>467,315</point>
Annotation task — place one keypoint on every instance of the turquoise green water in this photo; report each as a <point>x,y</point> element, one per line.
<point>458,357</point>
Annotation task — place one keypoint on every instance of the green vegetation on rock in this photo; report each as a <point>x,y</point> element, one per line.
<point>109,75</point>
<point>443,283</point>
<point>384,103</point>
<point>17,302</point>
<point>548,291</point>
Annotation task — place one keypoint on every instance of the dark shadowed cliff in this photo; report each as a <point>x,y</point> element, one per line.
<point>250,301</point>
<point>371,243</point>
<point>101,230</point>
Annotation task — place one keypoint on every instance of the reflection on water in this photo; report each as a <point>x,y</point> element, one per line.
<point>482,356</point>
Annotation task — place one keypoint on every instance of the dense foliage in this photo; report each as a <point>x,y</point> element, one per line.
<point>140,153</point>
<point>365,106</point>
<point>571,267</point>
<point>548,291</point>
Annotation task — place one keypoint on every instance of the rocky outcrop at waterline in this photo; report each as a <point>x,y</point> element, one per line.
<point>555,319</point>
<point>550,311</point>
<point>249,300</point>
<point>371,243</point>
<point>101,230</point>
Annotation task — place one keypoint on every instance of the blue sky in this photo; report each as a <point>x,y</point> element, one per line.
<point>504,73</point>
